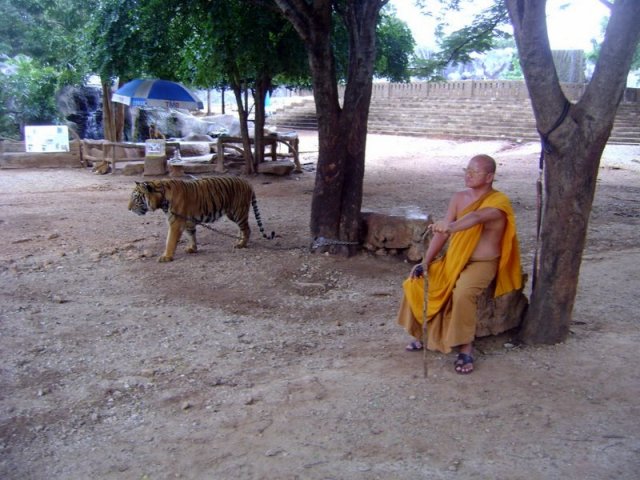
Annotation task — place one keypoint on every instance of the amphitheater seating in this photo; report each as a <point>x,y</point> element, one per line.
<point>466,118</point>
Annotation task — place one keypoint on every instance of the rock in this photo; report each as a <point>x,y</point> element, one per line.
<point>194,149</point>
<point>196,168</point>
<point>310,288</point>
<point>196,137</point>
<point>82,107</point>
<point>498,315</point>
<point>279,167</point>
<point>133,169</point>
<point>400,232</point>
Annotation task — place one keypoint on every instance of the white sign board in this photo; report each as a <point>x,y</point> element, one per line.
<point>47,138</point>
<point>154,148</point>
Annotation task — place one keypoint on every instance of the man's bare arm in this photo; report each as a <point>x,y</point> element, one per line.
<point>476,217</point>
<point>438,240</point>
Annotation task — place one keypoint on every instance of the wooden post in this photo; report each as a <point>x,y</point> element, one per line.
<point>425,360</point>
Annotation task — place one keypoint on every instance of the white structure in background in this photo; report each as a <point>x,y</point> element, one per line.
<point>46,138</point>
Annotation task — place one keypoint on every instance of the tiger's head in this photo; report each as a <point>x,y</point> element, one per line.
<point>146,196</point>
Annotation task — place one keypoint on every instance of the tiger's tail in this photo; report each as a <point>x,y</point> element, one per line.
<point>256,212</point>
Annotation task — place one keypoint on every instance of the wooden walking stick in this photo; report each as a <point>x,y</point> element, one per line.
<point>424,322</point>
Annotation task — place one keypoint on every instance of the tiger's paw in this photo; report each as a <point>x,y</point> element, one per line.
<point>165,259</point>
<point>191,249</point>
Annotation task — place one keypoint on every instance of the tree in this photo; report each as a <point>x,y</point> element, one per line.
<point>394,44</point>
<point>236,44</point>
<point>114,50</point>
<point>255,46</point>
<point>593,55</point>
<point>480,36</point>
<point>39,39</point>
<point>342,129</point>
<point>46,31</point>
<point>27,96</point>
<point>576,143</point>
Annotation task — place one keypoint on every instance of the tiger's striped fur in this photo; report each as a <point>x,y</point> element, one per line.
<point>189,202</point>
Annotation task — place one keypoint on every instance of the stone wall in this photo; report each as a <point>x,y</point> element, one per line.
<point>13,155</point>
<point>501,89</point>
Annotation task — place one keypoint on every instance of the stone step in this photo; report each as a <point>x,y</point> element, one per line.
<point>458,118</point>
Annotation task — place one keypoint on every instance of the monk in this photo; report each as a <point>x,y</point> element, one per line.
<point>481,230</point>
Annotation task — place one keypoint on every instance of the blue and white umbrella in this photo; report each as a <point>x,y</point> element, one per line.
<point>156,93</point>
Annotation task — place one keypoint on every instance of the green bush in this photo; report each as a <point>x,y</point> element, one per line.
<point>27,96</point>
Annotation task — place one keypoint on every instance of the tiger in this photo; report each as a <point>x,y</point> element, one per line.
<point>187,203</point>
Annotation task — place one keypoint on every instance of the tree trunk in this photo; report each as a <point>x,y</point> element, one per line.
<point>244,129</point>
<point>260,92</point>
<point>112,115</point>
<point>342,131</point>
<point>571,166</point>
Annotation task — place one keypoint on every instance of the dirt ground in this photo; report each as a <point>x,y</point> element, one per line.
<point>275,363</point>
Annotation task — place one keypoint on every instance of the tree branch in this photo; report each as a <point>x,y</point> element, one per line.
<point>607,4</point>
<point>471,39</point>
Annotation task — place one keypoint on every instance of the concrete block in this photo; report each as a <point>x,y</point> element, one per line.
<point>155,165</point>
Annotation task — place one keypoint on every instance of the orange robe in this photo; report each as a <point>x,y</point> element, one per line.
<point>444,272</point>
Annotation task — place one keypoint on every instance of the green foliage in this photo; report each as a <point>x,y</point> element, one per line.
<point>45,30</point>
<point>27,96</point>
<point>592,56</point>
<point>515,70</point>
<point>204,43</point>
<point>41,38</point>
<point>481,36</point>
<point>113,40</point>
<point>395,46</point>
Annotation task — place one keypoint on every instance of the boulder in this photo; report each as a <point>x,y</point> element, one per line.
<point>401,232</point>
<point>194,149</point>
<point>500,314</point>
<point>279,167</point>
<point>133,169</point>
<point>197,168</point>
<point>196,137</point>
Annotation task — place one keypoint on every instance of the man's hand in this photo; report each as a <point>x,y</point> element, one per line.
<point>441,227</point>
<point>417,271</point>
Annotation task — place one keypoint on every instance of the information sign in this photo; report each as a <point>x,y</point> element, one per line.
<point>46,138</point>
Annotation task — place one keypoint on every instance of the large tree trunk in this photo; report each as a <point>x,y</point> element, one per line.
<point>112,115</point>
<point>244,129</point>
<point>342,131</point>
<point>263,84</point>
<point>571,165</point>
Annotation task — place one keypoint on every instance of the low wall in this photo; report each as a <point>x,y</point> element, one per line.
<point>13,155</point>
<point>507,89</point>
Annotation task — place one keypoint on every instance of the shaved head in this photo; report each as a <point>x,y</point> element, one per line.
<point>487,163</point>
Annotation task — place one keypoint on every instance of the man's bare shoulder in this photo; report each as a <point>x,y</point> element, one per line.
<point>460,195</point>
<point>461,199</point>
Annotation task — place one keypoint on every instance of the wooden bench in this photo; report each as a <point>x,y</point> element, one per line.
<point>271,141</point>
